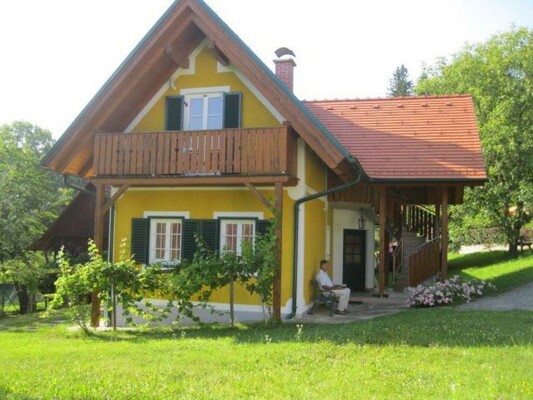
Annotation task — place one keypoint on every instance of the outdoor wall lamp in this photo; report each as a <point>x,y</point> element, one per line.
<point>361,221</point>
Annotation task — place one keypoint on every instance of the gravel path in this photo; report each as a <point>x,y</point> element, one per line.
<point>520,298</point>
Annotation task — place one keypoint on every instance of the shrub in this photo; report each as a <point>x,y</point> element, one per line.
<point>447,292</point>
<point>117,284</point>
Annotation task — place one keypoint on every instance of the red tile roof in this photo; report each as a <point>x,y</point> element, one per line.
<point>408,138</point>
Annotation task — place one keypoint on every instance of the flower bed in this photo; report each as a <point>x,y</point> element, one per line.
<point>448,292</point>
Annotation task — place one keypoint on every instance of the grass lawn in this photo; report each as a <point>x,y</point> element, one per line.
<point>439,353</point>
<point>494,266</point>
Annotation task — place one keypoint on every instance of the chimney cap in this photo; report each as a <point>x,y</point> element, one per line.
<point>284,51</point>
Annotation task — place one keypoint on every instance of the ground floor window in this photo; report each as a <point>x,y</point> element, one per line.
<point>234,231</point>
<point>165,240</point>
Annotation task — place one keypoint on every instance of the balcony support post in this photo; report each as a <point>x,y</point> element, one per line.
<point>278,215</point>
<point>277,211</point>
<point>444,234</point>
<point>98,241</point>
<point>383,245</point>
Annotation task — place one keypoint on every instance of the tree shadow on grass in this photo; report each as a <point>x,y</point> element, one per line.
<point>414,327</point>
<point>31,322</point>
<point>8,394</point>
<point>417,327</point>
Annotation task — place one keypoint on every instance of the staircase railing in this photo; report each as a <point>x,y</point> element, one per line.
<point>397,260</point>
<point>421,220</point>
<point>424,262</point>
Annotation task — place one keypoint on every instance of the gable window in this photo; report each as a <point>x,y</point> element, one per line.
<point>165,240</point>
<point>204,112</point>
<point>203,108</point>
<point>233,232</point>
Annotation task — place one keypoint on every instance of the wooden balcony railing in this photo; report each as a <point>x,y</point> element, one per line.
<point>252,151</point>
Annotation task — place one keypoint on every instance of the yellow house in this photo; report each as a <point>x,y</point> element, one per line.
<point>193,133</point>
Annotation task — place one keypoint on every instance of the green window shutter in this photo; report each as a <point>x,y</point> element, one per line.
<point>207,228</point>
<point>210,232</point>
<point>140,230</point>
<point>262,226</point>
<point>174,113</point>
<point>232,110</point>
<point>188,244</point>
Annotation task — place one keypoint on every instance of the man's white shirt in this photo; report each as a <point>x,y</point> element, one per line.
<point>323,278</point>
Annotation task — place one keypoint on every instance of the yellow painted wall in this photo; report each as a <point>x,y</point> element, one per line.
<point>254,113</point>
<point>315,171</point>
<point>315,242</point>
<point>202,205</point>
<point>316,217</point>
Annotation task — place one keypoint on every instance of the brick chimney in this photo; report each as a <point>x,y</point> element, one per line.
<point>285,67</point>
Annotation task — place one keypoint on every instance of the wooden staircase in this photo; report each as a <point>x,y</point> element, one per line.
<point>418,249</point>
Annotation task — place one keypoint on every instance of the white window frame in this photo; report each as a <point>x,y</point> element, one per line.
<point>166,260</point>
<point>167,216</point>
<point>203,93</point>
<point>240,222</point>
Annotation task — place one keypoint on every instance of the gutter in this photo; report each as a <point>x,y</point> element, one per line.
<point>69,184</point>
<point>357,179</point>
<point>466,181</point>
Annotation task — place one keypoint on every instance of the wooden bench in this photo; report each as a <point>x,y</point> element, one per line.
<point>525,241</point>
<point>323,297</point>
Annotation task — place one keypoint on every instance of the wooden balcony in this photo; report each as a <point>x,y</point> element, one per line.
<point>225,152</point>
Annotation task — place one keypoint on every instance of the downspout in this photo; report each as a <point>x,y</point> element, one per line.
<point>296,229</point>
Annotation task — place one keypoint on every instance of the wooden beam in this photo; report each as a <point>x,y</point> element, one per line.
<point>98,241</point>
<point>86,167</point>
<point>276,290</point>
<point>113,199</point>
<point>177,56</point>
<point>219,55</point>
<point>444,235</point>
<point>259,195</point>
<point>198,180</point>
<point>383,245</point>
<point>116,91</point>
<point>458,195</point>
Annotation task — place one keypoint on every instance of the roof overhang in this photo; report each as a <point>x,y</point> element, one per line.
<point>167,45</point>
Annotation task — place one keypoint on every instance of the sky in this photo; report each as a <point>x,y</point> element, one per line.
<point>56,54</point>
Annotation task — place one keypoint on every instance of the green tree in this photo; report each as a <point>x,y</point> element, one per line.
<point>499,75</point>
<point>400,85</point>
<point>30,199</point>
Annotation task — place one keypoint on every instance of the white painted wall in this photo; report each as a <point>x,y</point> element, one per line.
<point>370,249</point>
<point>347,219</point>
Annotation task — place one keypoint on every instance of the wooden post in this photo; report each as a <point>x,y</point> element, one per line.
<point>276,292</point>
<point>232,300</point>
<point>98,241</point>
<point>278,214</point>
<point>383,245</point>
<point>444,235</point>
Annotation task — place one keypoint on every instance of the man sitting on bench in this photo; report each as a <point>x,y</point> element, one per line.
<point>341,291</point>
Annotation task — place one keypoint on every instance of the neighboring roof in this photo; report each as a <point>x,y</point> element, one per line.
<point>72,228</point>
<point>408,138</point>
<point>183,27</point>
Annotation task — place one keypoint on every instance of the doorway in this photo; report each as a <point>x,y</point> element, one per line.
<point>353,258</point>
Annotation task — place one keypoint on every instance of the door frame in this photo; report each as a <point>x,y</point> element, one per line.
<point>344,218</point>
<point>362,234</point>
